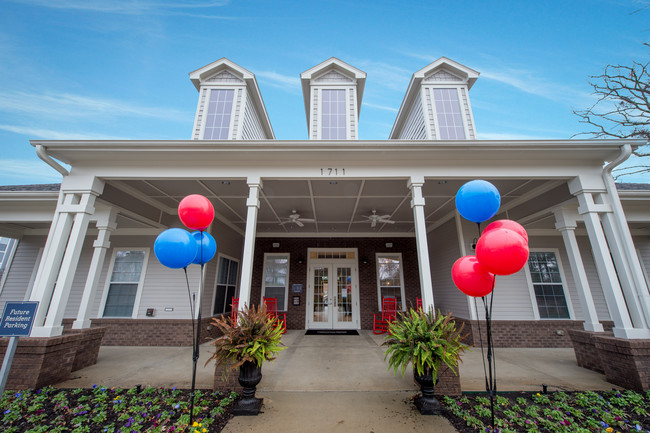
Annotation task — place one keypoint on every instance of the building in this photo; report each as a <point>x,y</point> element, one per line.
<point>331,225</point>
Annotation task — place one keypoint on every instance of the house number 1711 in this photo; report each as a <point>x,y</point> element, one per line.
<point>332,171</point>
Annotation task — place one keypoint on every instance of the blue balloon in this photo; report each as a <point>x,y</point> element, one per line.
<point>478,200</point>
<point>175,248</point>
<point>206,248</point>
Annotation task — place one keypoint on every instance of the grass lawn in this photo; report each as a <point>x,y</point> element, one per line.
<point>561,412</point>
<point>102,409</point>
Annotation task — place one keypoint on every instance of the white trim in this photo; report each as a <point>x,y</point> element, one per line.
<point>8,259</point>
<point>286,287</point>
<point>138,294</point>
<point>565,289</point>
<point>216,280</point>
<point>401,277</point>
<point>643,268</point>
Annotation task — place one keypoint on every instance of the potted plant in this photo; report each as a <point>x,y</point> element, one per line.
<point>246,342</point>
<point>426,340</point>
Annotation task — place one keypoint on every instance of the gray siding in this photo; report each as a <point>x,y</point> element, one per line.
<point>21,269</point>
<point>443,252</point>
<point>415,127</point>
<point>251,126</point>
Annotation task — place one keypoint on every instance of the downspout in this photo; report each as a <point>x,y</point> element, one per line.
<point>41,151</point>
<point>624,230</point>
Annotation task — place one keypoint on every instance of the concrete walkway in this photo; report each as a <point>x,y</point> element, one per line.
<point>324,383</point>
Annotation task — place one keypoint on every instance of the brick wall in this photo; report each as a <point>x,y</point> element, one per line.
<point>627,361</point>
<point>150,332</point>
<point>524,333</point>
<point>367,248</point>
<point>41,361</point>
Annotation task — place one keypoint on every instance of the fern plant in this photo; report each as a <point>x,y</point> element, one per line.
<point>253,337</point>
<point>424,339</point>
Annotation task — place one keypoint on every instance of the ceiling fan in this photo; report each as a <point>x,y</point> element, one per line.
<point>374,219</point>
<point>295,218</point>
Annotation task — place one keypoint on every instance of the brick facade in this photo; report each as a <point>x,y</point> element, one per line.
<point>366,247</point>
<point>88,349</point>
<point>524,333</point>
<point>150,332</point>
<point>40,361</point>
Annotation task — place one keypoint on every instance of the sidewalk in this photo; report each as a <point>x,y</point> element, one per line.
<point>336,383</point>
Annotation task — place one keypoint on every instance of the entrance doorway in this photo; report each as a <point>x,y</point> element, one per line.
<point>333,291</point>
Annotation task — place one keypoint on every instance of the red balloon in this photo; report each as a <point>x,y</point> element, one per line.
<point>196,212</point>
<point>502,251</point>
<point>471,277</point>
<point>507,224</point>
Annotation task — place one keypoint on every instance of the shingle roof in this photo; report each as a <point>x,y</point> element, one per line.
<point>633,186</point>
<point>41,187</point>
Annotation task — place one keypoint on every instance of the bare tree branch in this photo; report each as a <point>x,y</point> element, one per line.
<point>622,109</point>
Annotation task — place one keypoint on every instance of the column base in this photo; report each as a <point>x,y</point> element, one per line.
<point>632,333</point>
<point>46,331</point>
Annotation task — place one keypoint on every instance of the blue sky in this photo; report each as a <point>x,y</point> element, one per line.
<point>118,69</point>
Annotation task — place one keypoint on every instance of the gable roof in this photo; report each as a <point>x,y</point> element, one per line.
<point>332,64</point>
<point>228,69</point>
<point>453,72</point>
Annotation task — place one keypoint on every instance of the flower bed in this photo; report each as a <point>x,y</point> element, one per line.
<point>581,412</point>
<point>100,409</point>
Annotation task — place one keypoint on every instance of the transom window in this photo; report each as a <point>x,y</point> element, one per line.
<point>226,285</point>
<point>450,118</point>
<point>217,121</point>
<point>125,280</point>
<point>547,284</point>
<point>333,115</point>
<point>390,278</point>
<point>276,278</point>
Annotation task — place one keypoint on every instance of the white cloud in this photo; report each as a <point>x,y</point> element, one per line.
<point>54,135</point>
<point>379,107</point>
<point>129,7</point>
<point>274,79</point>
<point>61,105</point>
<point>32,171</point>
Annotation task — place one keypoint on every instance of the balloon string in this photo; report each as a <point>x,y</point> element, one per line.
<point>480,338</point>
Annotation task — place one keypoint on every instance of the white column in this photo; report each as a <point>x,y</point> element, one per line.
<point>56,281</point>
<point>566,224</point>
<point>417,203</point>
<point>106,225</point>
<point>253,204</point>
<point>48,270</point>
<point>623,326</point>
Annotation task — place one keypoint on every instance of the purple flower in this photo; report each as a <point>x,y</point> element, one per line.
<point>95,386</point>
<point>177,406</point>
<point>7,411</point>
<point>603,424</point>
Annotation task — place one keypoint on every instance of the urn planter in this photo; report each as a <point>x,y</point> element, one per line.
<point>250,374</point>
<point>427,404</point>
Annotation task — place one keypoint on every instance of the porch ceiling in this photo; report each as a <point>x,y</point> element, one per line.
<point>339,206</point>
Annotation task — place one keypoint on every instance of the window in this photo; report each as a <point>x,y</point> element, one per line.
<point>217,122</point>
<point>276,278</point>
<point>390,279</point>
<point>7,249</point>
<point>226,285</point>
<point>333,116</point>
<point>450,118</point>
<point>126,279</point>
<point>547,284</point>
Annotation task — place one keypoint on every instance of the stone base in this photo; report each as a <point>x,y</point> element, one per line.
<point>626,362</point>
<point>248,407</point>
<point>448,382</point>
<point>584,347</point>
<point>41,361</point>
<point>88,349</point>
<point>428,406</point>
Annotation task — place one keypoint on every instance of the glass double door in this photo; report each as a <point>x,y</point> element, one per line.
<point>333,296</point>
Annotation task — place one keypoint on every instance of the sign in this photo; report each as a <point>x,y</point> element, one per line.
<point>17,319</point>
<point>296,288</point>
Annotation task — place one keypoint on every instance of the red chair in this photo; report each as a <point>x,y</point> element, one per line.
<point>235,309</point>
<point>418,303</point>
<point>272,311</point>
<point>381,322</point>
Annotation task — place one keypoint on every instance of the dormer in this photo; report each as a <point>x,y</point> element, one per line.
<point>230,104</point>
<point>332,92</point>
<point>436,105</point>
